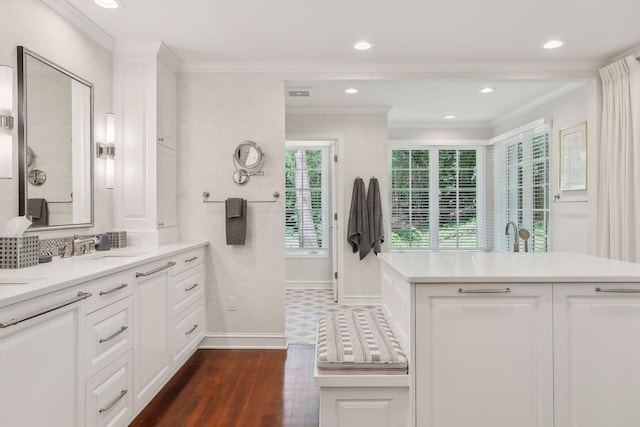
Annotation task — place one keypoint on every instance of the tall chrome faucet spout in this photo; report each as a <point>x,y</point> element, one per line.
<point>516,247</point>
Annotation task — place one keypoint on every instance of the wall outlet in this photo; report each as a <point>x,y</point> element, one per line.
<point>232,304</point>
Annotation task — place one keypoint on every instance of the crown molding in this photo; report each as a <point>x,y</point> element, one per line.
<point>73,15</point>
<point>522,68</point>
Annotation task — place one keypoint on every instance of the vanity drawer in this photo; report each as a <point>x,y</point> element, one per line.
<point>108,290</point>
<point>108,334</point>
<point>187,260</point>
<point>109,395</point>
<point>188,331</point>
<point>187,288</point>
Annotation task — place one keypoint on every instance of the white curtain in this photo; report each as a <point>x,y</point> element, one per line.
<point>618,233</point>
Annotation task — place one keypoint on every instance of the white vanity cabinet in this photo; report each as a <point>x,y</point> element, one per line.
<point>152,326</point>
<point>42,362</point>
<point>95,352</point>
<point>484,355</point>
<point>597,349</point>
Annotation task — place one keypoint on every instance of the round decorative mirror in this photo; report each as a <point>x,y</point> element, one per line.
<point>249,156</point>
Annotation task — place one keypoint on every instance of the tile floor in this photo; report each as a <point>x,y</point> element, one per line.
<point>304,309</point>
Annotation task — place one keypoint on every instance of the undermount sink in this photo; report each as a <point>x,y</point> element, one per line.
<point>116,255</point>
<point>20,280</point>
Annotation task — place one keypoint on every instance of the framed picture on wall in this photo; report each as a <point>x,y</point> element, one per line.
<point>573,157</point>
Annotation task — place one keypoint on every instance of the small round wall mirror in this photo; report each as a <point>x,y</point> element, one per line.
<point>249,156</point>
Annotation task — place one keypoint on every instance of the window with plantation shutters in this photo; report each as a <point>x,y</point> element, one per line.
<point>434,198</point>
<point>458,194</point>
<point>306,200</point>
<point>520,168</point>
<point>410,198</point>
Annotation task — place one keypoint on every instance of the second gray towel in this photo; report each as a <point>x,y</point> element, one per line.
<point>236,220</point>
<point>374,208</point>
<point>358,229</point>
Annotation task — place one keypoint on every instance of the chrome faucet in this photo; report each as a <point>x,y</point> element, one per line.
<point>82,246</point>
<point>516,247</point>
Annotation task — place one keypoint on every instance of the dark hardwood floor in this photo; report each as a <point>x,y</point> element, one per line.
<point>239,388</point>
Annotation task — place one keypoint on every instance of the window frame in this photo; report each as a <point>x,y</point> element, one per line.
<point>434,147</point>
<point>325,147</point>
<point>508,209</point>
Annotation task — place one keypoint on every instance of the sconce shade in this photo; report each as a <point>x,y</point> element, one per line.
<point>6,122</point>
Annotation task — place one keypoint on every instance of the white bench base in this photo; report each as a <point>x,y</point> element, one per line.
<point>363,400</point>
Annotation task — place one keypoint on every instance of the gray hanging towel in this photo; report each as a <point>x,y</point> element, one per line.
<point>38,210</point>
<point>358,229</point>
<point>374,207</point>
<point>236,220</point>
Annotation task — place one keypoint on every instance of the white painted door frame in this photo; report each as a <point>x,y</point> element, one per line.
<point>337,203</point>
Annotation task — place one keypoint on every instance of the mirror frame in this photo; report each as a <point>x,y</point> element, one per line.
<point>22,138</point>
<point>236,158</point>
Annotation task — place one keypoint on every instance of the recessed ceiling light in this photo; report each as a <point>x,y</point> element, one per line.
<point>108,4</point>
<point>449,117</point>
<point>351,90</point>
<point>487,89</point>
<point>363,45</point>
<point>553,44</point>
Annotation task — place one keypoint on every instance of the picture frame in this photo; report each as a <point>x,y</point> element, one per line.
<point>573,158</point>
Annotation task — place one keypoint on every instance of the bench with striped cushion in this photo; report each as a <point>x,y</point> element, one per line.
<point>358,343</point>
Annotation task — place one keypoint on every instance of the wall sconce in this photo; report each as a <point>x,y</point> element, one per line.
<point>6,122</point>
<point>107,150</point>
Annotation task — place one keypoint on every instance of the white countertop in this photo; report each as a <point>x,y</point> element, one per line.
<point>65,272</point>
<point>483,267</point>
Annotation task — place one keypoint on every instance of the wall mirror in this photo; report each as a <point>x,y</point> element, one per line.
<point>55,143</point>
<point>249,160</point>
<point>249,156</point>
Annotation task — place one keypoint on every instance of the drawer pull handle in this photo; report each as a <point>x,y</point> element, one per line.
<point>81,296</point>
<point>190,288</point>
<point>116,289</point>
<point>114,401</point>
<point>620,291</point>
<point>191,330</point>
<point>191,259</point>
<point>156,270</point>
<point>113,335</point>
<point>484,291</point>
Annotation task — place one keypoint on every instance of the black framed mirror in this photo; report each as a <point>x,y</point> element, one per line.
<point>55,143</point>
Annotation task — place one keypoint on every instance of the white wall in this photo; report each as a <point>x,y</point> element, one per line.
<point>363,153</point>
<point>216,112</point>
<point>31,24</point>
<point>572,224</point>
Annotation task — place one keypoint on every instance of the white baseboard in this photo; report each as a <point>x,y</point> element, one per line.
<point>310,284</point>
<point>244,341</point>
<point>361,300</point>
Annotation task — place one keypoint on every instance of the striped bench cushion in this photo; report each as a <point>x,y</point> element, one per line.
<point>358,343</point>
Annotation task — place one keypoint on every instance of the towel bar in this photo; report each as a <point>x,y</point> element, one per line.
<point>206,195</point>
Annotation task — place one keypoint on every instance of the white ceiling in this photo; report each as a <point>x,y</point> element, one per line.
<point>463,36</point>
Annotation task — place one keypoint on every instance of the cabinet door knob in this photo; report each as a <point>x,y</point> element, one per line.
<point>161,139</point>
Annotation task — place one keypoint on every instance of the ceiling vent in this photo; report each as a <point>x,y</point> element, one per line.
<point>298,92</point>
